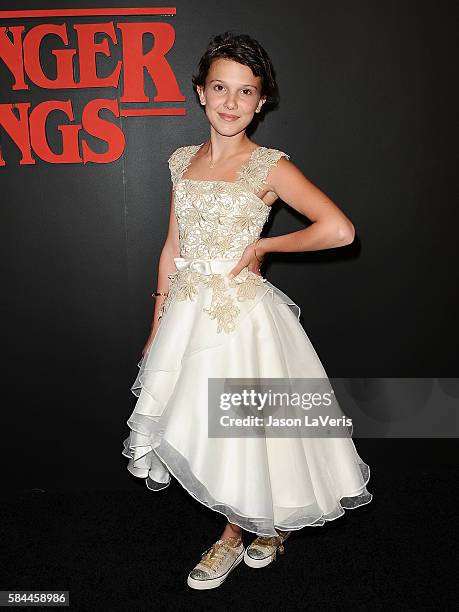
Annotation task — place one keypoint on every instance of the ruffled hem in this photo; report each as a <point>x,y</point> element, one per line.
<point>166,460</point>
<point>270,344</point>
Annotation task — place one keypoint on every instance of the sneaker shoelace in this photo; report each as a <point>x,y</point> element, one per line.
<point>276,541</point>
<point>213,556</point>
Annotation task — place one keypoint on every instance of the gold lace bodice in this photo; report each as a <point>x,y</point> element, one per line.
<point>218,219</point>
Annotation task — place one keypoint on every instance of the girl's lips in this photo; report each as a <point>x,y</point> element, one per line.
<point>228,117</point>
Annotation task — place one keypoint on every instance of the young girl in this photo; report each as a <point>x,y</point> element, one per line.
<point>216,316</point>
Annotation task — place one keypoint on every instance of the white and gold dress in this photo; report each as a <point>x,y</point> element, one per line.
<point>245,327</point>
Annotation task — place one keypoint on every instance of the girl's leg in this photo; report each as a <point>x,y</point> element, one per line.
<point>231,531</point>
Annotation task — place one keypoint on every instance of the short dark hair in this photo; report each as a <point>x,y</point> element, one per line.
<point>243,49</point>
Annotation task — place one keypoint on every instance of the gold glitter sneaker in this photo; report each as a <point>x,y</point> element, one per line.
<point>216,563</point>
<point>263,549</point>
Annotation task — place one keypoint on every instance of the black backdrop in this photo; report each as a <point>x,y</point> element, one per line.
<point>364,114</point>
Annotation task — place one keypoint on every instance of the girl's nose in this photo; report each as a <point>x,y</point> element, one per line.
<point>230,103</point>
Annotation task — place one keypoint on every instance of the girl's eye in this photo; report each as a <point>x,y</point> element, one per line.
<point>218,85</point>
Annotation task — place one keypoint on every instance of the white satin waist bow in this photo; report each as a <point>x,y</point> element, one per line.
<point>224,266</point>
<point>206,266</point>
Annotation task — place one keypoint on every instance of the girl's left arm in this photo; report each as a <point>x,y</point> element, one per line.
<point>330,226</point>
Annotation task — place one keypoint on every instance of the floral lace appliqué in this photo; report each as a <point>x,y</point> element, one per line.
<point>218,220</point>
<point>185,284</point>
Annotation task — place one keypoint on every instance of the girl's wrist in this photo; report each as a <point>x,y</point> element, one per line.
<point>260,248</point>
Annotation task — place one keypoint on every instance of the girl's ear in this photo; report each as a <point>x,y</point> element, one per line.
<point>261,101</point>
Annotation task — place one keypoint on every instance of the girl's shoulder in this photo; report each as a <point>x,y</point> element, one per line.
<point>180,156</point>
<point>269,153</point>
<point>179,159</point>
<point>182,151</point>
<point>255,173</point>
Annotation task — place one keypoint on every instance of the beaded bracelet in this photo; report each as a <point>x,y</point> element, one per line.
<point>156,293</point>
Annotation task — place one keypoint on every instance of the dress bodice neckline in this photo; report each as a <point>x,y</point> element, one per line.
<point>241,170</point>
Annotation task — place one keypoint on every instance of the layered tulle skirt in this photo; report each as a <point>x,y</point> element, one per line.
<point>259,483</point>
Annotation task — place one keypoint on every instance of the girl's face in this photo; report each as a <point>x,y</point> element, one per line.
<point>231,89</point>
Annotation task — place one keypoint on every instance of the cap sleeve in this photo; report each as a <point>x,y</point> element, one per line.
<point>175,163</point>
<point>256,173</point>
<point>180,160</point>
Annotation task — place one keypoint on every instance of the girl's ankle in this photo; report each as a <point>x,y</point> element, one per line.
<point>230,532</point>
